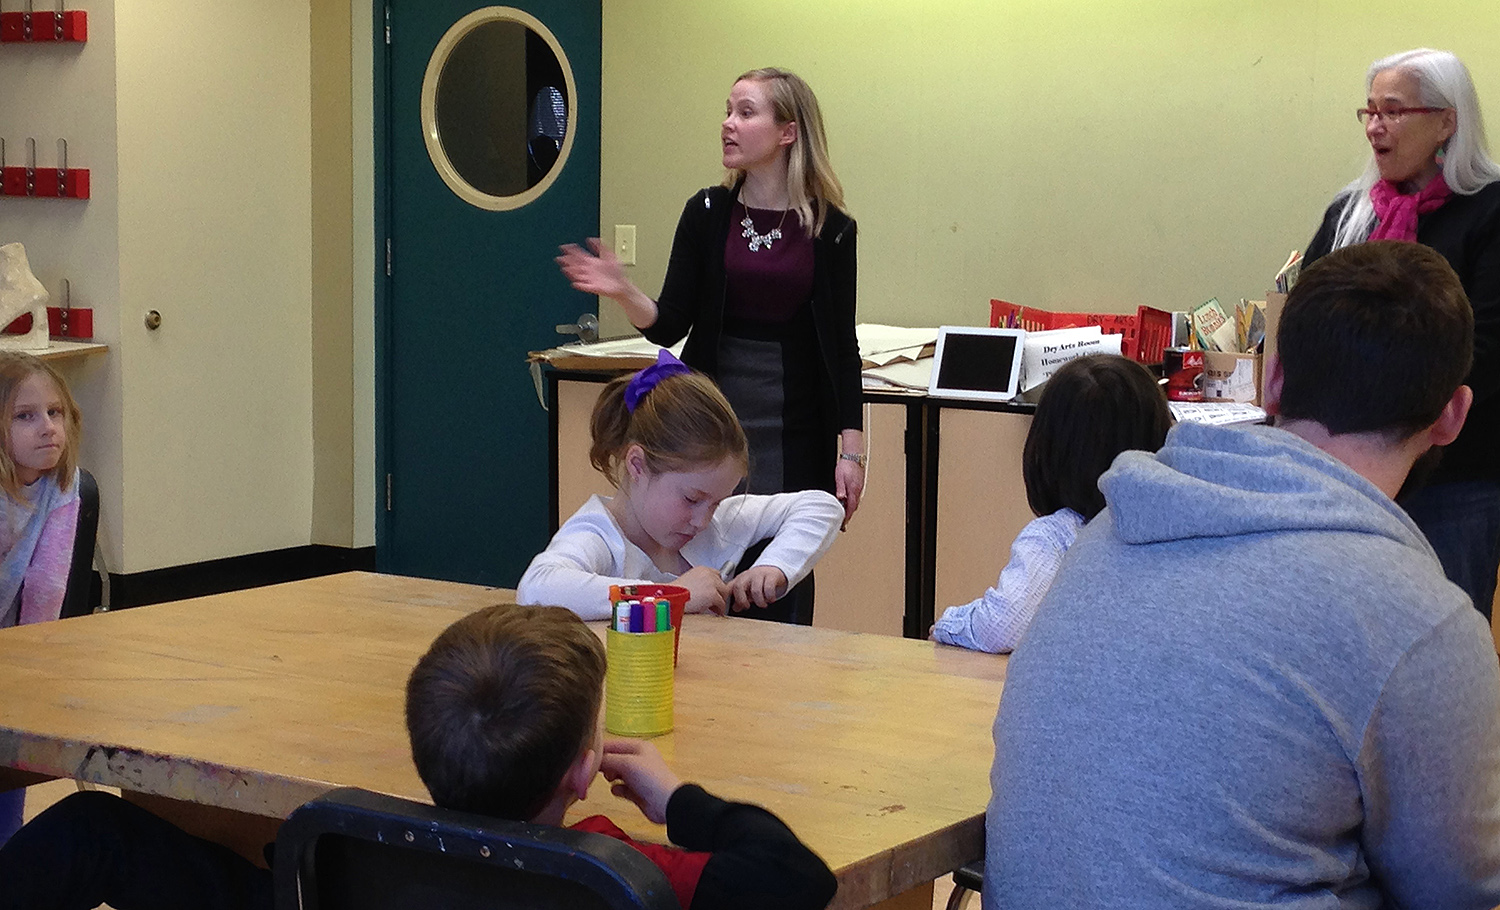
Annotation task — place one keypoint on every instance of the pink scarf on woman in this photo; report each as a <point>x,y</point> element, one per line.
<point>1398,211</point>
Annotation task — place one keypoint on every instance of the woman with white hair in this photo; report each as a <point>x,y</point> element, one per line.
<point>761,281</point>
<point>1431,180</point>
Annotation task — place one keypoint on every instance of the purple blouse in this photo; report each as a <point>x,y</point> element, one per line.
<point>771,283</point>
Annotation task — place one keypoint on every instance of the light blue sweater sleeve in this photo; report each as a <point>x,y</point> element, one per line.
<point>996,621</point>
<point>1430,771</point>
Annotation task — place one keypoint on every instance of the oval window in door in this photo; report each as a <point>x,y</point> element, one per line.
<point>498,108</point>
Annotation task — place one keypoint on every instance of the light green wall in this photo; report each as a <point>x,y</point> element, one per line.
<point>1088,156</point>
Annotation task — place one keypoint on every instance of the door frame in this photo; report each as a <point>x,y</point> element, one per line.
<point>380,17</point>
<point>383,144</point>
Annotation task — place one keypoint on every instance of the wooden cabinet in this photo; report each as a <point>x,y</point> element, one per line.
<point>981,499</point>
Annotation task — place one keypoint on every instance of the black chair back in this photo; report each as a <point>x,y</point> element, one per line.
<point>355,849</point>
<point>76,600</point>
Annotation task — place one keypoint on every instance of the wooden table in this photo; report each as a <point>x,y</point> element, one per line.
<point>875,749</point>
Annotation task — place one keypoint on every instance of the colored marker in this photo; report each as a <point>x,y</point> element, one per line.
<point>637,616</point>
<point>663,617</point>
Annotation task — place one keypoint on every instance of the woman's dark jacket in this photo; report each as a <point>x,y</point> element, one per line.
<point>692,297</point>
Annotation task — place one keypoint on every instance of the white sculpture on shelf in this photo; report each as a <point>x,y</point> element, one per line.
<point>21,293</point>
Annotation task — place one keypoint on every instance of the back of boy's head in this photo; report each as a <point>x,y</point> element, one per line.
<point>683,423</point>
<point>15,368</point>
<point>1374,338</point>
<point>1092,409</point>
<point>501,705</point>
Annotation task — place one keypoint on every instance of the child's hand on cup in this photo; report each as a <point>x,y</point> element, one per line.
<point>757,586</point>
<point>637,772</point>
<point>706,590</point>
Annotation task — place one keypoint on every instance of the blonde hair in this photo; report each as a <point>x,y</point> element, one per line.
<point>15,369</point>
<point>681,424</point>
<point>812,187</point>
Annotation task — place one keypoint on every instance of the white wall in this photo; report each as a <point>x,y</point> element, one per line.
<point>68,91</point>
<point>214,209</point>
<point>194,119</point>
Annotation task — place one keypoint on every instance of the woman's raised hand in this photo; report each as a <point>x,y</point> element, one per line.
<point>595,270</point>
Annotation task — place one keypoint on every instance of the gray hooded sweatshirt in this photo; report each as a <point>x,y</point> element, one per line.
<point>1249,686</point>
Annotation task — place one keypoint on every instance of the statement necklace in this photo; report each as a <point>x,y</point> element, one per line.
<point>760,240</point>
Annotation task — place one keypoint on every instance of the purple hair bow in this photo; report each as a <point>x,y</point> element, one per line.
<point>646,380</point>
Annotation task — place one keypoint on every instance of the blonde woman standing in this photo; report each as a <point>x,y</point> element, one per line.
<point>762,280</point>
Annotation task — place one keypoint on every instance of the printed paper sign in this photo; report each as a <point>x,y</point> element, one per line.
<point>1046,351</point>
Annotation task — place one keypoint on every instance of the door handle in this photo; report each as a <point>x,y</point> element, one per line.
<point>587,328</point>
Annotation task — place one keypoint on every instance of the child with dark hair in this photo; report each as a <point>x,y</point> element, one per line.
<point>504,716</point>
<point>1092,409</point>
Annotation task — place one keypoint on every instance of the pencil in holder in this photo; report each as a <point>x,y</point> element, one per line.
<point>638,683</point>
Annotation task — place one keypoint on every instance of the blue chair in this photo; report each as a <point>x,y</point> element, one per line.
<point>355,849</point>
<point>81,568</point>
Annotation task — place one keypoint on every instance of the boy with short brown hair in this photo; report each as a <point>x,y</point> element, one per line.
<point>504,715</point>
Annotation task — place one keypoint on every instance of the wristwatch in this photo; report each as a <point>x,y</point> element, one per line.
<point>850,456</point>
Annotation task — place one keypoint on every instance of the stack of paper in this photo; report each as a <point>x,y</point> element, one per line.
<point>903,375</point>
<point>880,345</point>
<point>894,357</point>
<point>1215,413</point>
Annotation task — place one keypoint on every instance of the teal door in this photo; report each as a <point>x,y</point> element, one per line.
<point>487,158</point>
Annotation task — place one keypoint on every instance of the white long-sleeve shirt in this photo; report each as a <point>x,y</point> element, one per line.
<point>589,553</point>
<point>996,621</point>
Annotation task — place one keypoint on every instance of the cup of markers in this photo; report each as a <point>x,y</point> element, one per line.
<point>639,677</point>
<point>675,595</point>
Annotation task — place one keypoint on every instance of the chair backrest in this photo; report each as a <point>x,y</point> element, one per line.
<point>81,567</point>
<point>355,849</point>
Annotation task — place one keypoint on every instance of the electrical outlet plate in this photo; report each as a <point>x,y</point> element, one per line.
<point>625,243</point>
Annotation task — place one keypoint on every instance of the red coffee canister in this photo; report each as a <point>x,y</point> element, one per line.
<point>1184,371</point>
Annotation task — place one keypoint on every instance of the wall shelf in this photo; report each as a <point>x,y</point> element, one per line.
<point>58,350</point>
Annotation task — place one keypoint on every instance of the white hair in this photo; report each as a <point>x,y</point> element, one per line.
<point>1442,81</point>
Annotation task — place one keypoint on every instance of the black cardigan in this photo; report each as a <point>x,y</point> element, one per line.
<point>692,297</point>
<point>1466,230</point>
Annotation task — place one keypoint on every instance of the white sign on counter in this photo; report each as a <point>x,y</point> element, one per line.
<point>1046,351</point>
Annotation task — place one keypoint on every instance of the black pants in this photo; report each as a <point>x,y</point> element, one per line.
<point>95,848</point>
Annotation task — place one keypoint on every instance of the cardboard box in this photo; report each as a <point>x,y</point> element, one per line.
<point>1274,304</point>
<point>1231,377</point>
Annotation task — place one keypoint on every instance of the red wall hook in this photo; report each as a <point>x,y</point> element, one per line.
<point>48,182</point>
<point>50,25</point>
<point>66,321</point>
